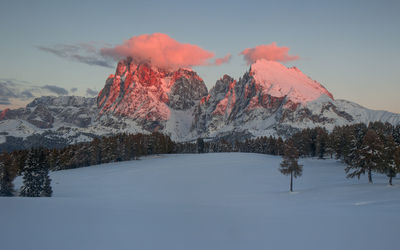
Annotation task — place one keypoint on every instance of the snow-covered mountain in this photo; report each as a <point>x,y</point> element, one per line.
<point>270,99</point>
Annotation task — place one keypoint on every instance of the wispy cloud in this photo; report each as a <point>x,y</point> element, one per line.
<point>55,89</point>
<point>91,92</point>
<point>86,53</point>
<point>15,93</point>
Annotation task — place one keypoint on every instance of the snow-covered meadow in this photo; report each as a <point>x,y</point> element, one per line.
<point>205,201</point>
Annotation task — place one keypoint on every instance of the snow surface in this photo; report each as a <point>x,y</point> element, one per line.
<point>208,201</point>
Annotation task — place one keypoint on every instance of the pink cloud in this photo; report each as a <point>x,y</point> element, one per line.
<point>162,51</point>
<point>223,60</point>
<point>269,52</point>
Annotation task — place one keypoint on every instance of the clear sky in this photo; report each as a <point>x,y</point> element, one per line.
<point>351,47</point>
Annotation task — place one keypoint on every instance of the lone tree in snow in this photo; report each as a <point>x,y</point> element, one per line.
<point>289,164</point>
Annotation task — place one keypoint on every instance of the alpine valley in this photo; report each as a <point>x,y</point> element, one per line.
<point>269,100</point>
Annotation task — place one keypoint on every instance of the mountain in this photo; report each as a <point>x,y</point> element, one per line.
<point>157,99</point>
<point>270,99</point>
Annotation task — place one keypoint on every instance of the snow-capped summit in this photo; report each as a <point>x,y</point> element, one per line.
<point>277,80</point>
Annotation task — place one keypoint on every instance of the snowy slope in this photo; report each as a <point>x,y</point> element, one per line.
<point>208,201</point>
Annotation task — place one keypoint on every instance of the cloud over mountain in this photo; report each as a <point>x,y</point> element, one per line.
<point>270,52</point>
<point>162,51</point>
<point>159,49</point>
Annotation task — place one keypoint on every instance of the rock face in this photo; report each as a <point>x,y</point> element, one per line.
<point>270,99</point>
<point>135,91</point>
<point>149,95</point>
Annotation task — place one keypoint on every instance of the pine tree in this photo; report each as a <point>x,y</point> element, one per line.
<point>396,134</point>
<point>351,156</point>
<point>391,174</point>
<point>31,180</point>
<point>393,166</point>
<point>369,157</point>
<point>372,152</point>
<point>36,180</point>
<point>389,154</point>
<point>6,185</point>
<point>321,142</point>
<point>45,181</point>
<point>47,191</point>
<point>289,164</point>
<point>200,145</point>
<point>279,146</point>
<point>95,152</point>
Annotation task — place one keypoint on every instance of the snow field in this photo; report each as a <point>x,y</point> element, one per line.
<point>205,201</point>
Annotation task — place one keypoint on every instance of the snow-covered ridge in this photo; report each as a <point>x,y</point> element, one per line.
<point>365,115</point>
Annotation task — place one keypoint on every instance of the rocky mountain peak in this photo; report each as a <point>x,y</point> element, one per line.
<point>148,93</point>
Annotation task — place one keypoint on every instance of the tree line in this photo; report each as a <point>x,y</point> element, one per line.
<point>364,149</point>
<point>34,164</point>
